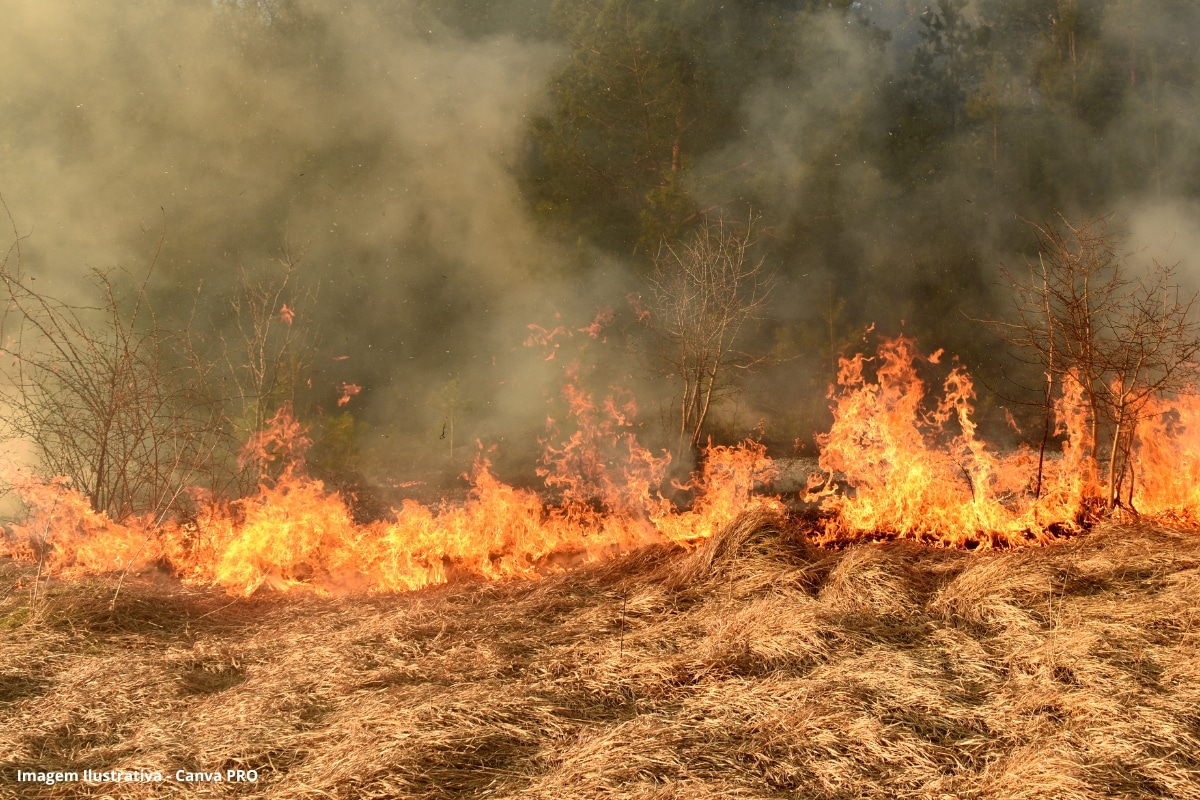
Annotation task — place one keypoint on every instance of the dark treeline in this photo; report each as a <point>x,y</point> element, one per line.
<point>452,172</point>
<point>892,148</point>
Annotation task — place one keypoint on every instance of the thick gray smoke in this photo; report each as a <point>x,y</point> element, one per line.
<point>385,141</point>
<point>894,206</point>
<point>369,136</point>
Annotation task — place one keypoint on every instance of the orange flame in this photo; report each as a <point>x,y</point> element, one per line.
<point>294,534</point>
<point>348,390</point>
<point>1167,451</point>
<point>63,531</point>
<point>604,318</point>
<point>922,473</point>
<point>913,464</point>
<point>916,472</point>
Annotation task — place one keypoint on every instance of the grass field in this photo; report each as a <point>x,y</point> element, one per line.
<point>757,666</point>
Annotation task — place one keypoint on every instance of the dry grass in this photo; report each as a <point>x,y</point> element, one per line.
<point>756,667</point>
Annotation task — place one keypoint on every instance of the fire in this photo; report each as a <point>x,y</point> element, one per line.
<point>295,534</point>
<point>1167,451</point>
<point>916,472</point>
<point>602,459</point>
<point>64,534</point>
<point>349,390</point>
<point>911,460</point>
<point>724,490</point>
<point>603,319</point>
<point>916,468</point>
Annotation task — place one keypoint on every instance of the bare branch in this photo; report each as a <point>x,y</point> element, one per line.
<point>1127,337</point>
<point>704,291</point>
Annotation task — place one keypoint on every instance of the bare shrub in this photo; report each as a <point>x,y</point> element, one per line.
<point>1127,335</point>
<point>704,291</point>
<point>130,411</point>
<point>99,392</point>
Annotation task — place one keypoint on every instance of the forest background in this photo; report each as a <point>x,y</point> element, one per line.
<point>446,195</point>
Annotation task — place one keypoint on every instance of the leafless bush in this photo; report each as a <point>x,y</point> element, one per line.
<point>99,392</point>
<point>1126,335</point>
<point>703,293</point>
<point>132,412</point>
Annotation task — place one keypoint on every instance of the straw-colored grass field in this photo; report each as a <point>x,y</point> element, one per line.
<point>755,667</point>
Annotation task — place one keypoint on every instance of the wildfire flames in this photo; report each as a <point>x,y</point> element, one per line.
<point>295,534</point>
<point>922,473</point>
<point>896,463</point>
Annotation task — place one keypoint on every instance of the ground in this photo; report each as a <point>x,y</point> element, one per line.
<point>757,666</point>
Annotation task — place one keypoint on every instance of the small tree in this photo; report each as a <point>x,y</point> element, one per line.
<point>267,352</point>
<point>704,291</point>
<point>101,394</point>
<point>1125,337</point>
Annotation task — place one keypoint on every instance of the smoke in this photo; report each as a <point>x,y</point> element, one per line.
<point>892,199</point>
<point>1168,233</point>
<point>384,140</point>
<point>223,124</point>
<point>371,137</point>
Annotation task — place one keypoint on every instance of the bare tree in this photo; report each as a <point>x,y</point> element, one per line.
<point>1125,335</point>
<point>99,392</point>
<point>704,291</point>
<point>134,413</point>
<point>268,352</point>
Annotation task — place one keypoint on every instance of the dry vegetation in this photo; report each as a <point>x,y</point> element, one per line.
<point>758,666</point>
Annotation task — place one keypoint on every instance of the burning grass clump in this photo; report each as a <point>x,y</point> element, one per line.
<point>754,666</point>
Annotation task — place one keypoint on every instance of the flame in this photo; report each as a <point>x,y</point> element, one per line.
<point>898,460</point>
<point>1167,452</point>
<point>602,459</point>
<point>348,390</point>
<point>919,472</point>
<point>635,302</point>
<point>1076,485</point>
<point>295,534</point>
<point>603,319</point>
<point>69,538</point>
<point>916,468</point>
<point>724,490</point>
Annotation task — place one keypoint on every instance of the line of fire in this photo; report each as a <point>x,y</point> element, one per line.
<point>901,460</point>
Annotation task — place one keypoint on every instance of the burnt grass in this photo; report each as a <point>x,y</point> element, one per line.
<point>757,666</point>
